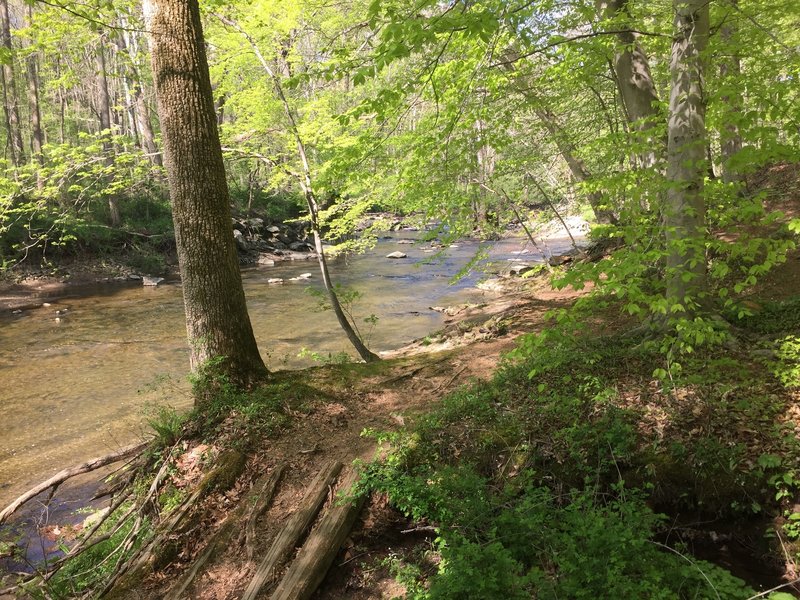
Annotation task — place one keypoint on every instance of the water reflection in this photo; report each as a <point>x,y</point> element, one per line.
<point>76,374</point>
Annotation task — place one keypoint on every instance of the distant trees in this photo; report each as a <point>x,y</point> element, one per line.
<point>425,108</point>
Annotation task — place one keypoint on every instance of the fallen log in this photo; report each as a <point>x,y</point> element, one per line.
<point>62,476</point>
<point>261,504</point>
<point>295,527</point>
<point>223,535</point>
<point>316,556</point>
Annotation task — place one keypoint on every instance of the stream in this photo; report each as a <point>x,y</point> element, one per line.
<point>79,372</point>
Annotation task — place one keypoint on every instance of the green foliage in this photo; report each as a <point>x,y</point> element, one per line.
<point>98,562</point>
<point>167,424</point>
<point>540,482</point>
<point>60,207</point>
<point>772,317</point>
<point>787,365</point>
<point>242,415</point>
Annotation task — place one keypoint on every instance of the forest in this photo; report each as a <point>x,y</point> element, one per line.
<point>616,419</point>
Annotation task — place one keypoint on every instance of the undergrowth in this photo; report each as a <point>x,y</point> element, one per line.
<point>549,480</point>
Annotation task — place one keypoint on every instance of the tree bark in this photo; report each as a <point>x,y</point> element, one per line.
<point>217,322</point>
<point>634,80</point>
<point>37,135</point>
<point>291,533</point>
<point>684,213</point>
<point>10,99</point>
<point>307,571</point>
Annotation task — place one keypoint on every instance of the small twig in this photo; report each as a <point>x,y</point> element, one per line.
<point>450,381</point>
<point>776,588</point>
<point>420,528</point>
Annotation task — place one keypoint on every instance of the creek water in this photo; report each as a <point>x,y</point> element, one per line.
<point>79,372</point>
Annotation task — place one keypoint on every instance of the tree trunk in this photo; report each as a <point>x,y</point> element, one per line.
<point>579,170</point>
<point>633,78</point>
<point>217,322</point>
<point>684,213</point>
<point>104,112</point>
<point>311,201</point>
<point>141,112</point>
<point>730,72</point>
<point>37,136</point>
<point>11,102</point>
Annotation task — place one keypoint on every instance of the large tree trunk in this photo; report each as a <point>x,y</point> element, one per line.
<point>10,100</point>
<point>633,79</point>
<point>217,322</point>
<point>684,213</point>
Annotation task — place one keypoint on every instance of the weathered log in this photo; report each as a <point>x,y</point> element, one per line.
<point>223,535</point>
<point>316,556</point>
<point>295,527</point>
<point>62,476</point>
<point>261,504</point>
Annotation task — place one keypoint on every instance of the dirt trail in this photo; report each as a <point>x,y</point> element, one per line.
<point>409,382</point>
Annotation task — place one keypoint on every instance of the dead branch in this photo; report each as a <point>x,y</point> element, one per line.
<point>62,476</point>
<point>263,500</point>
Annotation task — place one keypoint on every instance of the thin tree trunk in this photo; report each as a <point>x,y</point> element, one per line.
<point>141,112</point>
<point>37,135</point>
<point>11,101</point>
<point>730,72</point>
<point>580,172</point>
<point>313,206</point>
<point>104,112</point>
<point>217,322</point>
<point>684,213</point>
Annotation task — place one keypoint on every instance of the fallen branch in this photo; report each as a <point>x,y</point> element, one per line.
<point>62,476</point>
<point>295,527</point>
<point>316,556</point>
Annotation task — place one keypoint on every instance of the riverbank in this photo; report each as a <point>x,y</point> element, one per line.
<point>658,436</point>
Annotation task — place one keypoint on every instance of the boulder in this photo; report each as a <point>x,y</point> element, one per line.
<point>519,269</point>
<point>397,255</point>
<point>151,281</point>
<point>273,229</point>
<point>274,280</point>
<point>265,261</point>
<point>299,247</point>
<point>559,259</point>
<point>241,243</point>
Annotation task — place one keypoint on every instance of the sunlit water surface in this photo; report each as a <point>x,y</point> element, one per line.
<point>80,386</point>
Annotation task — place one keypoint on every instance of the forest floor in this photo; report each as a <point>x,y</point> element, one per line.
<point>321,414</point>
